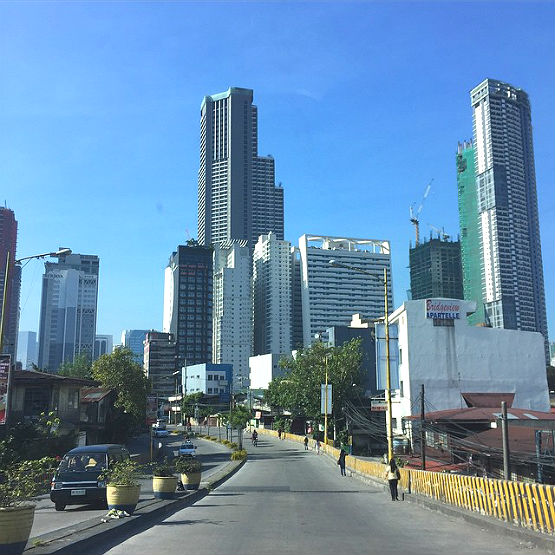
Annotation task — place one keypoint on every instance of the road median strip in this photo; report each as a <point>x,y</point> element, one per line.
<point>81,537</point>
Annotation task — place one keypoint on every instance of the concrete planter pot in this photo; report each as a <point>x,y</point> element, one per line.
<point>191,480</point>
<point>164,486</point>
<point>15,528</point>
<point>122,498</point>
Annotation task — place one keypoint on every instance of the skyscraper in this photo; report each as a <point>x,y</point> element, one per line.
<point>68,309</point>
<point>331,295</point>
<point>160,363</point>
<point>188,303</point>
<point>8,244</point>
<point>471,258</point>
<point>134,340</point>
<point>103,345</point>
<point>435,269</point>
<point>272,295</point>
<point>512,271</point>
<point>237,195</point>
<point>27,349</point>
<point>232,338</point>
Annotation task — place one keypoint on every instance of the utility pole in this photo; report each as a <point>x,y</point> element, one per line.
<point>388,374</point>
<point>326,406</point>
<point>538,435</point>
<point>422,430</point>
<point>505,433</point>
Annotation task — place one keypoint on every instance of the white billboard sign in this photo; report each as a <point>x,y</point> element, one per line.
<point>440,309</point>
<point>323,396</point>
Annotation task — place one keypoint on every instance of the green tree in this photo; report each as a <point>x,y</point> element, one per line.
<point>298,390</point>
<point>81,367</point>
<point>239,417</point>
<point>120,372</point>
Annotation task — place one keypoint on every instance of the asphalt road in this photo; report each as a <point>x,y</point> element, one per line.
<point>47,519</point>
<point>289,501</point>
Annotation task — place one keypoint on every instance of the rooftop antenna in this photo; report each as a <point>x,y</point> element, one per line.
<point>415,215</point>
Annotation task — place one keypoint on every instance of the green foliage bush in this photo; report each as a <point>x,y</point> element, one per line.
<point>20,482</point>
<point>233,445</point>
<point>163,469</point>
<point>124,473</point>
<point>239,455</point>
<point>186,464</point>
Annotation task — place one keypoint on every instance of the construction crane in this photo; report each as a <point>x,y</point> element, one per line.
<point>414,215</point>
<point>440,233</point>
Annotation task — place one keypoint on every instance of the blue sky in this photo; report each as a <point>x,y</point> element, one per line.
<point>360,103</point>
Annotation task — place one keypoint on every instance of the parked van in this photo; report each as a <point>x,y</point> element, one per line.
<point>77,479</point>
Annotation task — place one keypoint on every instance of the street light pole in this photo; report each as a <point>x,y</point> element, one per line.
<point>60,252</point>
<point>384,281</point>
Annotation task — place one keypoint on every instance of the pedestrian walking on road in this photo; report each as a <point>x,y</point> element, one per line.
<point>279,433</point>
<point>317,446</point>
<point>306,443</point>
<point>393,475</point>
<point>341,462</point>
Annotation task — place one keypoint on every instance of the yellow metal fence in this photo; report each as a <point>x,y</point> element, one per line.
<point>524,504</point>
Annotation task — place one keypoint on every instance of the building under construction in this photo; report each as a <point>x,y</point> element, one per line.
<point>435,269</point>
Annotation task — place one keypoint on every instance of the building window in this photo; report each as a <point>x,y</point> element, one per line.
<point>401,389</point>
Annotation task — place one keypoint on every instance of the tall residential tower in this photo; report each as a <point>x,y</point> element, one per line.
<point>331,295</point>
<point>8,243</point>
<point>188,303</point>
<point>511,259</point>
<point>237,195</point>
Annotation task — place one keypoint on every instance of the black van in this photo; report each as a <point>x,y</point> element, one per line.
<point>76,481</point>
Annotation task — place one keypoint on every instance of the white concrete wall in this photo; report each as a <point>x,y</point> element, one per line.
<point>263,369</point>
<point>463,359</point>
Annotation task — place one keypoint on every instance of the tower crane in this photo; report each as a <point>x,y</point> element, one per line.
<point>414,215</point>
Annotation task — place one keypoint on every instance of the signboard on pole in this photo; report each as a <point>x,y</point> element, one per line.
<point>5,362</point>
<point>378,405</point>
<point>381,356</point>
<point>323,404</point>
<point>151,409</point>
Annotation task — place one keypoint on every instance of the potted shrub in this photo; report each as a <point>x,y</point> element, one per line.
<point>164,482</point>
<point>190,470</point>
<point>19,484</point>
<point>122,486</point>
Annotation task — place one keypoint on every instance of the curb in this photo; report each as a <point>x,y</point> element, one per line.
<point>85,537</point>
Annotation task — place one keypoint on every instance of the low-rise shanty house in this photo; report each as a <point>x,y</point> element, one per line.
<point>462,439</point>
<point>531,450</point>
<point>34,393</point>
<point>96,405</point>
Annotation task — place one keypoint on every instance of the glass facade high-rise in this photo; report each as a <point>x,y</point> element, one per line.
<point>511,264</point>
<point>435,269</point>
<point>470,231</point>
<point>134,341</point>
<point>188,303</point>
<point>68,310</point>
<point>237,195</point>
<point>8,244</point>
